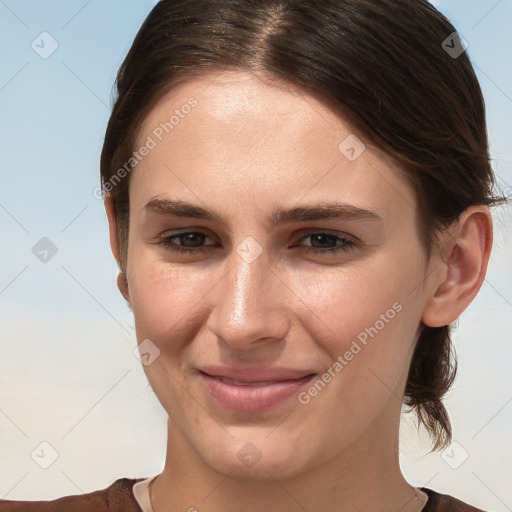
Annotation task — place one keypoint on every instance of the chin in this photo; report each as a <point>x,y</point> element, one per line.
<point>262,460</point>
<point>262,472</point>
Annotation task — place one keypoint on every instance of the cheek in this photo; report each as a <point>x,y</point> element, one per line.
<point>164,299</point>
<point>365,323</point>
<point>339,304</point>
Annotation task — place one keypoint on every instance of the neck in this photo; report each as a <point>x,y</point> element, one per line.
<point>365,476</point>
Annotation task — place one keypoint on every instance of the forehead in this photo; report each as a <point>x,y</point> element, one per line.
<point>235,134</point>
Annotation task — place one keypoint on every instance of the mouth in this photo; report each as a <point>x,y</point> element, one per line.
<point>249,390</point>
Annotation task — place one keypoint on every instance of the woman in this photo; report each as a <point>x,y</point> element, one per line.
<point>297,194</point>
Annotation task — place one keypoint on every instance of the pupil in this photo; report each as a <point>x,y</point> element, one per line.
<point>325,238</point>
<point>190,238</point>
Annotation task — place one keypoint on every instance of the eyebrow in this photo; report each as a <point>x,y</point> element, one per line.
<point>321,211</point>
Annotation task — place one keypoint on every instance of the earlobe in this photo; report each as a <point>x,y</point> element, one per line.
<point>122,282</point>
<point>461,267</point>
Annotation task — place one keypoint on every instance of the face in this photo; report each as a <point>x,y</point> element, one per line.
<point>275,273</point>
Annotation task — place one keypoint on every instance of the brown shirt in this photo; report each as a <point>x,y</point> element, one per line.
<point>119,497</point>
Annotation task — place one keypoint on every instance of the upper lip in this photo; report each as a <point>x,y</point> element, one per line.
<point>256,374</point>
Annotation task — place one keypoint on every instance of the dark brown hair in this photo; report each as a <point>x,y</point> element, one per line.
<point>383,64</point>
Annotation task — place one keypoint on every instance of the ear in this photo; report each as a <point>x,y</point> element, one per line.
<point>122,282</point>
<point>459,270</point>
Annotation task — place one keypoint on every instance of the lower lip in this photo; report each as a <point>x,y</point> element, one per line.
<point>251,398</point>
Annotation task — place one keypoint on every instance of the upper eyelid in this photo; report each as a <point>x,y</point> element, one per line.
<point>171,234</point>
<point>340,234</point>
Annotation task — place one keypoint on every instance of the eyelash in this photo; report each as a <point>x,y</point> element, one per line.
<point>345,243</point>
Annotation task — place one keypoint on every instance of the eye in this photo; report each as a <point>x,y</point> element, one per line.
<point>190,242</point>
<point>193,242</point>
<point>325,242</point>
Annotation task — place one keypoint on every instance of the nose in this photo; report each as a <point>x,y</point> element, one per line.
<point>249,305</point>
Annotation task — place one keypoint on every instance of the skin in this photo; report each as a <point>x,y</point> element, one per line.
<point>250,147</point>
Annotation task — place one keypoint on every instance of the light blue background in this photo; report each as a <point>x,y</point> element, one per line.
<point>67,370</point>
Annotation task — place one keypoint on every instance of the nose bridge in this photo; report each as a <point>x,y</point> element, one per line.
<point>247,307</point>
<point>250,289</point>
<point>245,278</point>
